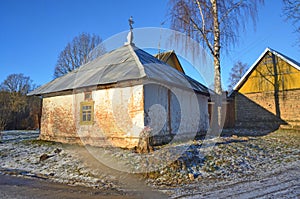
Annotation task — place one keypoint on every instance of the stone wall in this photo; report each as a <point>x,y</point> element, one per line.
<point>267,109</point>
<point>290,107</point>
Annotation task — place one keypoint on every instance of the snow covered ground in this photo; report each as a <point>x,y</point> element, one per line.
<point>21,152</point>
<point>222,168</point>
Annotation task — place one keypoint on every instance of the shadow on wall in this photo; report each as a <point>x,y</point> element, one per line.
<point>251,115</point>
<point>228,112</point>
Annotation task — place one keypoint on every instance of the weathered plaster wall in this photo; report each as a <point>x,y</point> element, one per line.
<point>119,115</point>
<point>156,108</point>
<point>194,111</point>
<point>58,122</point>
<point>171,111</point>
<point>118,118</point>
<point>119,112</point>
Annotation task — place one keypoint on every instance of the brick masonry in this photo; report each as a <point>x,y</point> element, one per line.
<point>259,109</point>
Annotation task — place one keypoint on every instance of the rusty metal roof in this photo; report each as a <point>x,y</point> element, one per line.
<point>123,64</point>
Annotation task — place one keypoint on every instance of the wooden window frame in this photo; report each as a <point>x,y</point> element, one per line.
<point>82,105</point>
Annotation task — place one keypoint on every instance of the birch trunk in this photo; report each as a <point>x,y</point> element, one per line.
<point>217,113</point>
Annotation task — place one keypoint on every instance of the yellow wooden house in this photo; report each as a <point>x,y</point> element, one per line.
<point>268,95</point>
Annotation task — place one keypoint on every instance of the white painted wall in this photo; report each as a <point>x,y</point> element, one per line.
<point>185,111</point>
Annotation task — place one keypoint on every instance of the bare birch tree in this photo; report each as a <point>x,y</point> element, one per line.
<point>78,52</point>
<point>215,24</point>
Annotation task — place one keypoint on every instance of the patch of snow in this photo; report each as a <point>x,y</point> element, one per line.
<point>223,161</point>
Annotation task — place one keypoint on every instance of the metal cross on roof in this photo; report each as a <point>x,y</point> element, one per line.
<point>130,34</point>
<point>130,20</point>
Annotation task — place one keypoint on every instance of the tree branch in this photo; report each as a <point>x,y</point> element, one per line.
<point>235,6</point>
<point>204,36</point>
<point>201,14</point>
<point>225,15</point>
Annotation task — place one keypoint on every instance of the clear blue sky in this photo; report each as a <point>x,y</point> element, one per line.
<point>34,32</point>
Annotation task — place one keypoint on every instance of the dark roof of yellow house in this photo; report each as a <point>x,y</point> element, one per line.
<point>170,58</point>
<point>290,61</point>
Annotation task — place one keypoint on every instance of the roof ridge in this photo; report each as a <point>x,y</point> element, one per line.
<point>137,60</point>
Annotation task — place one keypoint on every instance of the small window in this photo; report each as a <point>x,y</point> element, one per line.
<point>86,113</point>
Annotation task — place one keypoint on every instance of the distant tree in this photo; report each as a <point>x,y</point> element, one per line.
<point>17,109</point>
<point>17,83</point>
<point>215,24</point>
<point>18,86</point>
<point>34,113</point>
<point>236,73</point>
<point>82,49</point>
<point>5,112</point>
<point>291,10</point>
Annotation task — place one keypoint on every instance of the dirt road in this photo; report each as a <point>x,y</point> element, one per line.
<point>278,184</point>
<point>281,183</point>
<point>18,187</point>
<point>132,186</point>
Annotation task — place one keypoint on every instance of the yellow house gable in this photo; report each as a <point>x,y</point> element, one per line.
<point>271,72</point>
<point>171,59</point>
